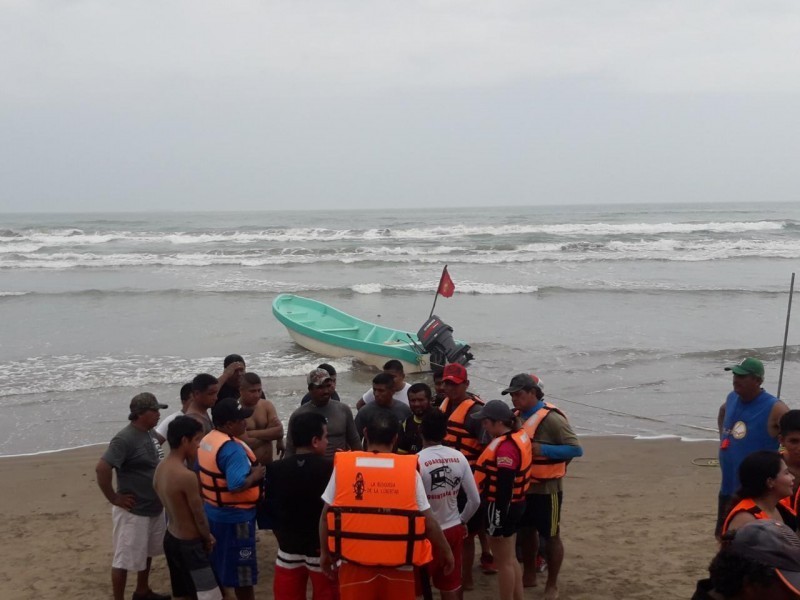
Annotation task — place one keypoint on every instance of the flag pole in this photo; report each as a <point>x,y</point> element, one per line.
<point>438,287</point>
<point>786,335</point>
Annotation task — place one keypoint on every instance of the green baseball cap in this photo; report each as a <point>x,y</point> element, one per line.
<point>748,366</point>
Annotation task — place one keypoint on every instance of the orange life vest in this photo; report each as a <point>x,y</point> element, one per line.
<point>791,502</point>
<point>543,468</point>
<point>747,505</point>
<point>374,519</point>
<point>458,436</point>
<point>486,467</point>
<point>213,486</point>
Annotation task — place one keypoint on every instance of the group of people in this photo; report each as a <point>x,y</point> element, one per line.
<point>384,503</point>
<point>759,456</point>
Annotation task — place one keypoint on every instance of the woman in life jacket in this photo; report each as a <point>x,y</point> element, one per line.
<point>765,480</point>
<point>502,473</point>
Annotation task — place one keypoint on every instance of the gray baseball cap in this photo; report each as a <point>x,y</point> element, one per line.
<point>318,377</point>
<point>772,544</point>
<point>496,410</point>
<point>143,402</point>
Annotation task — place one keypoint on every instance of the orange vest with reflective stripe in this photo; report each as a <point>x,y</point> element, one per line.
<point>458,436</point>
<point>213,486</point>
<point>747,505</point>
<point>543,468</point>
<point>486,468</point>
<point>374,519</point>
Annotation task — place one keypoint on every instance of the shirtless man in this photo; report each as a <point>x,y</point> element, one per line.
<point>264,426</point>
<point>188,539</point>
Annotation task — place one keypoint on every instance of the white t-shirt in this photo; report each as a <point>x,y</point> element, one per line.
<point>444,471</point>
<point>401,396</point>
<point>422,498</point>
<point>161,428</point>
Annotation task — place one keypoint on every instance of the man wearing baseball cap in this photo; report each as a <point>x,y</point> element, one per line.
<point>136,512</point>
<point>748,420</point>
<point>230,483</point>
<point>758,561</point>
<point>553,444</point>
<point>466,435</point>
<point>342,434</point>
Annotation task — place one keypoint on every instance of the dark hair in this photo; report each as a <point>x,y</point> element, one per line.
<point>416,388</point>
<point>203,381</point>
<point>730,572</point>
<point>438,373</point>
<point>232,358</point>
<point>754,471</point>
<point>383,379</point>
<point>393,365</point>
<point>329,368</point>
<point>434,426</point>
<point>250,379</point>
<point>186,392</point>
<point>382,428</point>
<point>790,422</point>
<point>305,427</point>
<point>182,427</point>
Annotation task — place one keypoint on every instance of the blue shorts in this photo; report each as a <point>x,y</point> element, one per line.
<point>234,555</point>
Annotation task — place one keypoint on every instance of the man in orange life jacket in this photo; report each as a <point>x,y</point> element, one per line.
<point>377,520</point>
<point>230,482</point>
<point>553,444</point>
<point>466,435</point>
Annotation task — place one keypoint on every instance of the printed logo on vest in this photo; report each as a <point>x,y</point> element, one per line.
<point>245,553</point>
<point>359,486</point>
<point>739,430</point>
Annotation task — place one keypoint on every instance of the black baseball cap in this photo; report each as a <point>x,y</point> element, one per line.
<point>772,544</point>
<point>229,409</point>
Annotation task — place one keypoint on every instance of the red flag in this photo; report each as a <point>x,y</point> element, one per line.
<point>446,285</point>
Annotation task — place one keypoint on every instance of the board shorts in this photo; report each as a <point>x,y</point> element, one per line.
<point>234,556</point>
<point>190,569</point>
<point>452,582</point>
<point>135,538</point>
<point>511,524</point>
<point>294,571</point>
<point>543,513</point>
<point>376,583</point>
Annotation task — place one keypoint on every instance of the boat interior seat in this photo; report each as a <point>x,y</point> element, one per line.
<point>339,329</point>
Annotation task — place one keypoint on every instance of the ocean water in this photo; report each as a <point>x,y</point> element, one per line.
<point>629,313</point>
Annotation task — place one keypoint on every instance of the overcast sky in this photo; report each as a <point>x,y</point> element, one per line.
<point>197,105</point>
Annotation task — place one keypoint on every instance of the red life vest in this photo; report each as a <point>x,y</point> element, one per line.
<point>374,519</point>
<point>213,485</point>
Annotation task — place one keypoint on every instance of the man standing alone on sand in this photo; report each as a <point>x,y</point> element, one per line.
<point>230,481</point>
<point>748,421</point>
<point>137,513</point>
<point>188,540</point>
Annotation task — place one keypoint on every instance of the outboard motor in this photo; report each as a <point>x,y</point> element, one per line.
<point>436,337</point>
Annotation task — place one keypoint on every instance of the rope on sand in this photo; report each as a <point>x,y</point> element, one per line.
<point>705,462</point>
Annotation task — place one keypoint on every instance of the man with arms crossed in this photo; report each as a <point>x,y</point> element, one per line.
<point>553,444</point>
<point>264,426</point>
<point>445,472</point>
<point>137,514</point>
<point>230,481</point>
<point>748,421</point>
<point>188,540</point>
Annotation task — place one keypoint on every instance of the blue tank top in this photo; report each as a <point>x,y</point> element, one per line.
<point>744,430</point>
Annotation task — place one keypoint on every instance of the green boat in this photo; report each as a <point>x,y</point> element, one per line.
<point>325,330</point>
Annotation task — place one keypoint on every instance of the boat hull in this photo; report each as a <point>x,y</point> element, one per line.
<point>323,329</point>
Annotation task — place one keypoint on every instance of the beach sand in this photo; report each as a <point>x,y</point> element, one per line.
<point>638,523</point>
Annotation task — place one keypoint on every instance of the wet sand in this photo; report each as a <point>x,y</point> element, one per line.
<point>638,522</point>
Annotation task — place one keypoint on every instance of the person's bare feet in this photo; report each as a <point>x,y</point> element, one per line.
<point>551,592</point>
